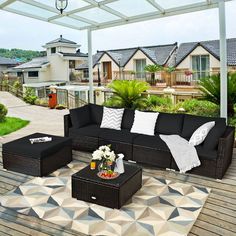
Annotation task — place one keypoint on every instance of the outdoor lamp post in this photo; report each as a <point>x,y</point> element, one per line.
<point>61,5</point>
<point>119,59</point>
<point>122,72</point>
<point>99,78</point>
<point>23,77</point>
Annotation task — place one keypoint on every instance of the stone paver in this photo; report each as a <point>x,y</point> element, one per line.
<point>41,119</point>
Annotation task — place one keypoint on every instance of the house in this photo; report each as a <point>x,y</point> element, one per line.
<point>6,63</point>
<point>202,58</point>
<point>130,60</point>
<point>62,57</point>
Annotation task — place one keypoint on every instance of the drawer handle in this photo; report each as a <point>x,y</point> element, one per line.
<point>94,198</point>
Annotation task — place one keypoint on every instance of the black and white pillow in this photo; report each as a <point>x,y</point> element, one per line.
<point>112,118</point>
<point>200,133</point>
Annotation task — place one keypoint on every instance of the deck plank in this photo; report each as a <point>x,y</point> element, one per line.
<point>218,216</point>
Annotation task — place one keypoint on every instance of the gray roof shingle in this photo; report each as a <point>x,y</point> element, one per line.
<point>77,54</point>
<point>8,61</point>
<point>212,46</point>
<point>37,62</point>
<point>61,40</point>
<point>158,54</point>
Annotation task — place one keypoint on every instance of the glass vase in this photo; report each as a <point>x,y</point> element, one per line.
<point>104,166</point>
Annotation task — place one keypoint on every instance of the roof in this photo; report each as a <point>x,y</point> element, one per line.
<point>77,54</point>
<point>8,61</point>
<point>212,46</point>
<point>43,84</point>
<point>158,54</point>
<point>37,62</point>
<point>99,14</point>
<point>61,40</point>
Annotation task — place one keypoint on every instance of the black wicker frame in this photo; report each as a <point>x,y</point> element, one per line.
<point>102,193</point>
<point>211,168</point>
<point>37,167</point>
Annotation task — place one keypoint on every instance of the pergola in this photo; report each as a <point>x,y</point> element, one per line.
<point>93,15</point>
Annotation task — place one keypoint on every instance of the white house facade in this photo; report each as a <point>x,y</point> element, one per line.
<point>63,56</point>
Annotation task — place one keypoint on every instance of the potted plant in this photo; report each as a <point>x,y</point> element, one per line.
<point>153,69</point>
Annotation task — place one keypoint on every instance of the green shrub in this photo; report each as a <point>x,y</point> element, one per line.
<point>128,94</point>
<point>3,112</point>
<point>30,96</point>
<point>154,102</point>
<point>60,107</point>
<point>41,102</point>
<point>198,107</point>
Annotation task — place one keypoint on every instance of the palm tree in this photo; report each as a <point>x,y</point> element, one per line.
<point>153,69</point>
<point>128,94</point>
<point>210,87</point>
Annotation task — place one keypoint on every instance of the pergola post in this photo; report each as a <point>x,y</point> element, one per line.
<point>223,61</point>
<point>90,66</point>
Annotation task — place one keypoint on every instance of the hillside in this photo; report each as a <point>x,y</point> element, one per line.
<point>20,54</point>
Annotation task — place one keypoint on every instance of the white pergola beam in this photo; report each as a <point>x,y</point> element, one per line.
<point>8,2</point>
<point>39,18</point>
<point>53,10</point>
<point>223,62</point>
<point>156,5</point>
<point>90,66</point>
<point>106,8</point>
<point>68,13</point>
<point>155,15</point>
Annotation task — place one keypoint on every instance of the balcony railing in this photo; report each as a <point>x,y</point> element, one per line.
<point>163,79</point>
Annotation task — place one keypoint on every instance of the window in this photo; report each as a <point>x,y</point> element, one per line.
<point>85,73</point>
<point>139,66</point>
<point>200,66</point>
<point>71,64</point>
<point>53,50</point>
<point>33,74</point>
<point>19,74</point>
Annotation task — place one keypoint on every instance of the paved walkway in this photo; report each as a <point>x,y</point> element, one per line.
<point>41,119</point>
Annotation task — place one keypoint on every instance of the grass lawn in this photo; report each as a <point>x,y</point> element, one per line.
<point>11,124</point>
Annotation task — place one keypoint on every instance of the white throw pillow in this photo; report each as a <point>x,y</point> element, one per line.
<point>200,133</point>
<point>144,122</point>
<point>112,118</point>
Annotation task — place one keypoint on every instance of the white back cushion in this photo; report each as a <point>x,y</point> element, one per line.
<point>112,118</point>
<point>144,122</point>
<point>200,133</point>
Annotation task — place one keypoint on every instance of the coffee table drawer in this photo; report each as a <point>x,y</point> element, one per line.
<point>95,193</point>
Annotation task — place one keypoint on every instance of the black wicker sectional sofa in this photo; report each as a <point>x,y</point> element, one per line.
<point>215,153</point>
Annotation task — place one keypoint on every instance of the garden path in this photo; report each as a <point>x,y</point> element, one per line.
<point>41,119</point>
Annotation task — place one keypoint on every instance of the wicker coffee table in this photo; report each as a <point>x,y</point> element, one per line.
<point>87,186</point>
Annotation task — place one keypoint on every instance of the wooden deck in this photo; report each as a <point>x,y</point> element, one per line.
<point>218,216</point>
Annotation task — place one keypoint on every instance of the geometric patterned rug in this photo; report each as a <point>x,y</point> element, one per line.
<point>160,207</point>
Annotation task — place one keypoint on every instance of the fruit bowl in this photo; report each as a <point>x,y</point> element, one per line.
<point>108,174</point>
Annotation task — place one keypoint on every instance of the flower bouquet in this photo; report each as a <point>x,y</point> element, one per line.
<point>106,157</point>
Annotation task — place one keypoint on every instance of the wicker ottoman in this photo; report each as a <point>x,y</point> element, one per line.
<point>87,186</point>
<point>37,159</point>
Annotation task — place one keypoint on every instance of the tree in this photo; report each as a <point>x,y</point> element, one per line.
<point>128,94</point>
<point>153,69</point>
<point>210,87</point>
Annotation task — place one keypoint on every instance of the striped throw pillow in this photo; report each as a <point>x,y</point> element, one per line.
<point>112,118</point>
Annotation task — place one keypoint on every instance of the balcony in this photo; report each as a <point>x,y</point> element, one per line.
<point>178,78</point>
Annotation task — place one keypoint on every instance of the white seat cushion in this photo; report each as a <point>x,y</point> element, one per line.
<point>112,118</point>
<point>200,133</point>
<point>144,122</point>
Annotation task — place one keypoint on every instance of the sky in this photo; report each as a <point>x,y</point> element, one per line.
<point>26,33</point>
